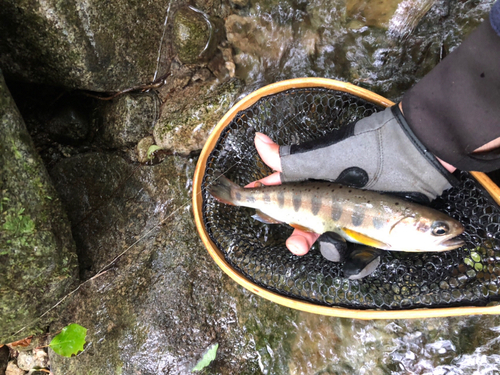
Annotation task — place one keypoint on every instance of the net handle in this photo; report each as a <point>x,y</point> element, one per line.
<point>218,256</point>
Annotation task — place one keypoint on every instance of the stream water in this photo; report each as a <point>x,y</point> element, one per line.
<point>386,47</point>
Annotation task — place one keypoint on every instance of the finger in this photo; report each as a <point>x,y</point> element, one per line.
<point>300,242</point>
<point>268,151</point>
<point>272,179</point>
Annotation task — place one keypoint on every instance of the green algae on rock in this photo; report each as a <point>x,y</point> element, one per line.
<point>185,128</point>
<point>92,45</point>
<point>37,253</point>
<point>195,35</point>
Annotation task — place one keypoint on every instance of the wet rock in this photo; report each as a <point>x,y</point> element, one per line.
<point>164,301</point>
<point>258,37</point>
<point>372,12</point>
<point>37,252</point>
<point>195,36</point>
<point>12,369</point>
<point>128,118</point>
<point>190,115</point>
<point>92,45</point>
<point>240,3</point>
<point>69,123</point>
<point>92,206</point>
<point>29,360</point>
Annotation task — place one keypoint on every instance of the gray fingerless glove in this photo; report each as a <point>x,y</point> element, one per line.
<point>379,152</point>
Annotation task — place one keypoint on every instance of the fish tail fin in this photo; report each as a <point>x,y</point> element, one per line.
<point>223,190</point>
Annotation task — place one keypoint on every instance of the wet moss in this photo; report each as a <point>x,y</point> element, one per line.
<point>38,260</point>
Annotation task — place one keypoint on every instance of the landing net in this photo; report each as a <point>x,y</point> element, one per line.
<point>468,276</point>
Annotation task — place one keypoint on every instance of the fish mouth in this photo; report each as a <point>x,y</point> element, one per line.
<point>452,243</point>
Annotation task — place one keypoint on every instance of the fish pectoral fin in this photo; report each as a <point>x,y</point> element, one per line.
<point>365,240</point>
<point>264,218</point>
<point>332,246</point>
<point>301,227</point>
<point>361,261</point>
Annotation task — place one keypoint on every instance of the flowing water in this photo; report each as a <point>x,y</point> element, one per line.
<point>386,47</point>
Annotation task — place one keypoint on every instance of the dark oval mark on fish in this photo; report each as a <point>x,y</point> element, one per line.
<point>358,216</point>
<point>297,201</point>
<point>315,205</point>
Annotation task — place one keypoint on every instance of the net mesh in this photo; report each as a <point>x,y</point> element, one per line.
<point>468,276</point>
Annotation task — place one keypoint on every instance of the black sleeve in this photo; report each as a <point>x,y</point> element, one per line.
<point>455,108</point>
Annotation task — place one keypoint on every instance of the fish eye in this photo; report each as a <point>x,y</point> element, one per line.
<point>440,228</point>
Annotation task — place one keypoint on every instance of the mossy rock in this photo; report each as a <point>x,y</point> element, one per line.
<point>37,254</point>
<point>195,35</point>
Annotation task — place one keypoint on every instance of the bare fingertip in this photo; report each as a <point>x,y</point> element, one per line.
<point>264,138</point>
<point>297,245</point>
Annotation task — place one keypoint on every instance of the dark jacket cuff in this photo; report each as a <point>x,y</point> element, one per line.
<point>455,108</point>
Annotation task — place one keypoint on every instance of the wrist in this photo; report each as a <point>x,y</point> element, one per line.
<point>450,168</point>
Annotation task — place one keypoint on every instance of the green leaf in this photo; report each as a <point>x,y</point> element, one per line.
<point>152,149</point>
<point>208,357</point>
<point>70,341</point>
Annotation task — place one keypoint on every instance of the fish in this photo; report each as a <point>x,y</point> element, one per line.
<point>377,220</point>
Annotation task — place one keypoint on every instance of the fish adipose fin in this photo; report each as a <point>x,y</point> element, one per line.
<point>263,218</point>
<point>365,240</point>
<point>361,262</point>
<point>222,189</point>
<point>332,246</point>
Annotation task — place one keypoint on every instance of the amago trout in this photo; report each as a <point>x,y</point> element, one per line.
<point>360,216</point>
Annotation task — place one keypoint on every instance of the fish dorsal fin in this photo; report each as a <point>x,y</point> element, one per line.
<point>365,240</point>
<point>264,218</point>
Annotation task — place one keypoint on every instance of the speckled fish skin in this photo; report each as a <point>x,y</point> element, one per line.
<point>359,216</point>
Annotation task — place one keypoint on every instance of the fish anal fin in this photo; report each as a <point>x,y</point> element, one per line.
<point>301,227</point>
<point>264,218</point>
<point>365,240</point>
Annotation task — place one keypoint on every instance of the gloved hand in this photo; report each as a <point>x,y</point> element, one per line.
<point>379,152</point>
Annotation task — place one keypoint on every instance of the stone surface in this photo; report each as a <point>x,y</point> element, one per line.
<point>37,358</point>
<point>69,123</point>
<point>195,35</point>
<point>12,369</point>
<point>128,118</point>
<point>255,36</point>
<point>93,45</point>
<point>37,253</point>
<point>375,13</point>
<point>165,301</point>
<point>189,116</point>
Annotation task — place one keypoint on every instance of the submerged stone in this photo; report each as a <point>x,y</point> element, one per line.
<point>195,35</point>
<point>38,263</point>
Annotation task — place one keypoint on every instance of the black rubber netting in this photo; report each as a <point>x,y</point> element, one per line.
<point>469,276</point>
